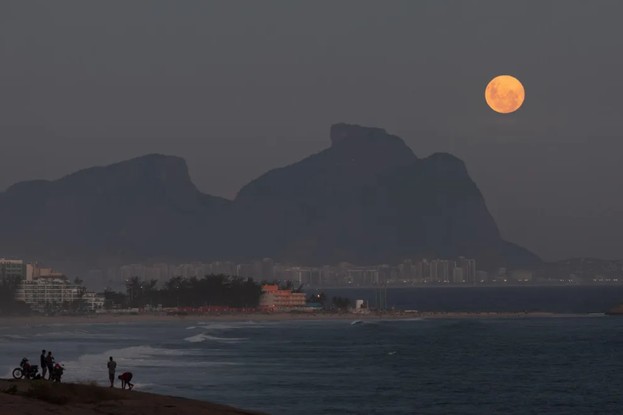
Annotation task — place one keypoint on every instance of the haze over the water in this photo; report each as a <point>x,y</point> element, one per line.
<point>240,88</point>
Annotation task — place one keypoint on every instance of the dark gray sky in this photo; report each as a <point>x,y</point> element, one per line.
<point>239,87</point>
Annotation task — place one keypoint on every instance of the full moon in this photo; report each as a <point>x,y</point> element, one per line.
<point>505,94</point>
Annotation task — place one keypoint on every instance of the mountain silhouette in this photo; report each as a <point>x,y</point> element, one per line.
<point>134,209</point>
<point>369,199</point>
<point>366,199</point>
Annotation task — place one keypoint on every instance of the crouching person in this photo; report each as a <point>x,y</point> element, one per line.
<point>125,378</point>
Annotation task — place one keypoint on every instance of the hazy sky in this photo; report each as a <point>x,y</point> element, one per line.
<point>240,87</point>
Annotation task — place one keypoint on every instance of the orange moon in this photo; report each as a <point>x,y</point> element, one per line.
<point>505,94</point>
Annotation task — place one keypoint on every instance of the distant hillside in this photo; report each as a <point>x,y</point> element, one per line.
<point>365,199</point>
<point>139,208</point>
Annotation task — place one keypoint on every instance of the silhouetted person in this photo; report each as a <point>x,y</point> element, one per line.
<point>44,365</point>
<point>126,377</point>
<point>49,362</point>
<point>112,366</point>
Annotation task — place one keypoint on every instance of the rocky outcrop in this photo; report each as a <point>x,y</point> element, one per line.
<point>369,199</point>
<point>41,398</point>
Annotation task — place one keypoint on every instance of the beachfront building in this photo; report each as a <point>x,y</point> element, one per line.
<point>54,292</point>
<point>12,269</point>
<point>276,299</point>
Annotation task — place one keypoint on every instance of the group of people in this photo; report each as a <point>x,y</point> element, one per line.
<point>125,377</point>
<point>48,368</point>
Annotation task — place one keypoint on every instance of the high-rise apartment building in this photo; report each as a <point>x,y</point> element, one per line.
<point>12,268</point>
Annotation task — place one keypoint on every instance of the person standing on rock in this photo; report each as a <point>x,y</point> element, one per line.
<point>112,366</point>
<point>49,362</point>
<point>44,365</point>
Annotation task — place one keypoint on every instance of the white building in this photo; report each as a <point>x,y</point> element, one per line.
<point>45,293</point>
<point>12,268</point>
<point>458,275</point>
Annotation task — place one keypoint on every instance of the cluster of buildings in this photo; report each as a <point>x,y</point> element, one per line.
<point>46,290</point>
<point>274,298</point>
<point>409,272</point>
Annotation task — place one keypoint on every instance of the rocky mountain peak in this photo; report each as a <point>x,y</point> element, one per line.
<point>348,133</point>
<point>367,199</point>
<point>343,134</point>
<point>371,147</point>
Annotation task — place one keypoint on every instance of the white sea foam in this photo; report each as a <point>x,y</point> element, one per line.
<point>73,334</point>
<point>9,374</point>
<point>89,366</point>
<point>199,338</point>
<point>211,329</point>
<point>366,322</point>
<point>196,339</point>
<point>12,337</point>
<point>230,325</point>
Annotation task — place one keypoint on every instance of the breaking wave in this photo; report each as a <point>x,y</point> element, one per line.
<point>199,338</point>
<point>90,366</point>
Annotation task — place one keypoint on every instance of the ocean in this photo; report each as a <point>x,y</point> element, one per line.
<point>569,364</point>
<point>531,298</point>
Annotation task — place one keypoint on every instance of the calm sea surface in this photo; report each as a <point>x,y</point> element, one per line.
<point>556,299</point>
<point>558,365</point>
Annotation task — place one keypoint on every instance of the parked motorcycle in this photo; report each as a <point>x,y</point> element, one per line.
<point>57,373</point>
<point>26,370</point>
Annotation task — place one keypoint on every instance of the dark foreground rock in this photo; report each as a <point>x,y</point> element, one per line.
<point>43,398</point>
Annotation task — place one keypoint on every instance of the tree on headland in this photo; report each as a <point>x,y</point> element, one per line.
<point>140,292</point>
<point>114,299</point>
<point>341,303</point>
<point>317,298</point>
<point>211,290</point>
<point>8,288</point>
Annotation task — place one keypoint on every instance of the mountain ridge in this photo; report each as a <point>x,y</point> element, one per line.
<point>366,198</point>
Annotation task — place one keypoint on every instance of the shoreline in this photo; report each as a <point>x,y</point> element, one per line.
<point>111,318</point>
